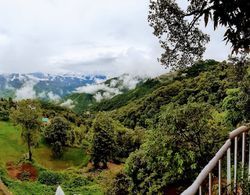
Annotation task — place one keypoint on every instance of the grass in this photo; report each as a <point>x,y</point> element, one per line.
<point>12,147</point>
<point>10,143</point>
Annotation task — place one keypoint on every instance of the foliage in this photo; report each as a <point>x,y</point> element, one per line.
<point>210,86</point>
<point>120,185</point>
<point>198,67</point>
<point>4,115</point>
<point>179,33</point>
<point>169,128</point>
<point>232,104</point>
<point>50,178</point>
<point>5,106</point>
<point>103,143</point>
<point>185,139</point>
<point>127,97</point>
<point>56,135</point>
<point>127,140</point>
<point>28,116</point>
<point>82,101</point>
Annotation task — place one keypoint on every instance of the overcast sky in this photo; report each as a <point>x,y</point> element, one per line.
<point>89,36</point>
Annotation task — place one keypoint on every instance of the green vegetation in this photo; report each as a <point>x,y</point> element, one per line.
<point>10,143</point>
<point>56,135</point>
<point>81,101</point>
<point>127,97</point>
<point>147,140</point>
<point>14,148</point>
<point>103,145</point>
<point>180,34</point>
<point>27,115</point>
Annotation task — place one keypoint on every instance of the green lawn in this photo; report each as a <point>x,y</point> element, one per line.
<point>12,149</point>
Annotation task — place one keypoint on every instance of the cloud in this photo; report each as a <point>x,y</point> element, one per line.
<point>130,82</point>
<point>26,91</point>
<point>114,87</point>
<point>53,96</point>
<point>92,89</point>
<point>68,104</point>
<point>110,37</point>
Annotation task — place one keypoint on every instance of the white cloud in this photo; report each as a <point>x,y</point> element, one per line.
<point>68,104</point>
<point>53,96</point>
<point>110,37</point>
<point>114,87</point>
<point>92,89</point>
<point>27,91</point>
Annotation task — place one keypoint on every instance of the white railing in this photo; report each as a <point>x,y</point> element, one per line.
<point>201,181</point>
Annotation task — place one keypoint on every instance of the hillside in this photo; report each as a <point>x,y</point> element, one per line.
<point>92,97</point>
<point>208,82</point>
<point>149,138</point>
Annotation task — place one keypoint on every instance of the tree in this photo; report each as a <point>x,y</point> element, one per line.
<point>184,141</point>
<point>28,115</point>
<point>233,105</point>
<point>179,33</point>
<point>120,185</point>
<point>56,135</point>
<point>103,142</point>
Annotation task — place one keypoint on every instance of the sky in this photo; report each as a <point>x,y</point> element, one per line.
<point>109,37</point>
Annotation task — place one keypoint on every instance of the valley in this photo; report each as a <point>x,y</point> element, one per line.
<point>114,145</point>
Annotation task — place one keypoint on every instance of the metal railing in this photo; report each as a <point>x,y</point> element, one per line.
<point>204,179</point>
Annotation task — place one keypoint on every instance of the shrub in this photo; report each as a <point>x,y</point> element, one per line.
<point>24,176</point>
<point>77,182</point>
<point>50,178</point>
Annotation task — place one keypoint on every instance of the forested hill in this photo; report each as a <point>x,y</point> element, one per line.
<point>186,116</point>
<point>159,135</point>
<point>208,82</point>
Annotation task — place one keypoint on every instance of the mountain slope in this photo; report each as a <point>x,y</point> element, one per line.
<point>89,97</point>
<point>209,83</point>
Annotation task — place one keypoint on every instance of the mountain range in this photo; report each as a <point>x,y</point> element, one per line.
<point>69,90</point>
<point>44,86</point>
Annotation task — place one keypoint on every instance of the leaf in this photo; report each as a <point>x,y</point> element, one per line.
<point>216,20</point>
<point>206,16</point>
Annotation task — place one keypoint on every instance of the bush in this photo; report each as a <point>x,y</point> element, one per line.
<point>186,138</point>
<point>77,182</point>
<point>56,135</point>
<point>50,178</point>
<point>4,115</point>
<point>24,176</point>
<point>120,185</point>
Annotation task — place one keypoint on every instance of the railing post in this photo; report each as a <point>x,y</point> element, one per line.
<point>228,170</point>
<point>217,160</point>
<point>219,178</point>
<point>235,163</point>
<point>210,184</point>
<point>200,190</point>
<point>249,162</point>
<point>243,154</point>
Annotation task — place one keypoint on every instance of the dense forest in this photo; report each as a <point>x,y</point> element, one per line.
<point>152,139</point>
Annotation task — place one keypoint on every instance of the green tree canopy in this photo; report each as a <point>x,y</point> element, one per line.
<point>179,33</point>
<point>28,115</point>
<point>185,140</point>
<point>56,135</point>
<point>103,143</point>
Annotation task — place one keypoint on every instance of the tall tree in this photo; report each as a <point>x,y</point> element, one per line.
<point>186,138</point>
<point>56,135</point>
<point>103,143</point>
<point>179,33</point>
<point>28,115</point>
